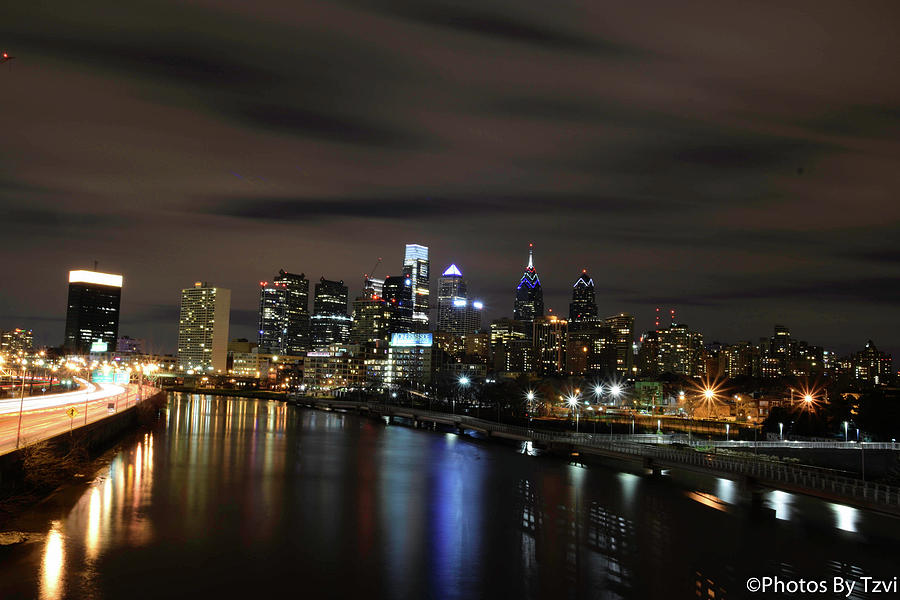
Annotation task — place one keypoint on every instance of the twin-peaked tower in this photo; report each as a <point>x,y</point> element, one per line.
<point>584,303</point>
<point>529,295</point>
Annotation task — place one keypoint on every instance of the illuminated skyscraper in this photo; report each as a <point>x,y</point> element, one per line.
<point>416,261</point>
<point>284,315</point>
<point>398,294</point>
<point>330,323</point>
<point>622,328</point>
<point>529,296</point>
<point>203,328</point>
<point>584,303</point>
<point>456,313</point>
<point>92,315</point>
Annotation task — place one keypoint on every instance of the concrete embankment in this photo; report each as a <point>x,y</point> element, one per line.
<point>89,440</point>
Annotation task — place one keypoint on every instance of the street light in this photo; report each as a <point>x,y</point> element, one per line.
<point>781,431</point>
<point>573,403</point>
<point>846,438</point>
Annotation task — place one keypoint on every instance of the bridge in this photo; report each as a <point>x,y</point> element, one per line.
<point>656,453</point>
<point>33,419</point>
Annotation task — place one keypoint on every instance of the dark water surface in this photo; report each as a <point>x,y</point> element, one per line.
<point>235,498</point>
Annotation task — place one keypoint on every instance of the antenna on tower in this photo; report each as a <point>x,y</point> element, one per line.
<point>657,318</point>
<point>672,311</point>
<point>96,266</point>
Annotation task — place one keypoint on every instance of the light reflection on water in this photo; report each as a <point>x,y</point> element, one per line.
<point>266,488</point>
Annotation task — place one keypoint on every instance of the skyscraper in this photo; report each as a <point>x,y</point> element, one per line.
<point>456,313</point>
<point>398,293</point>
<point>416,261</point>
<point>92,315</point>
<point>330,323</point>
<point>622,328</point>
<point>529,295</point>
<point>284,315</point>
<point>203,328</point>
<point>584,303</point>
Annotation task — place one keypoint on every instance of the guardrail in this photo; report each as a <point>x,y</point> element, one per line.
<point>44,423</point>
<point>648,447</point>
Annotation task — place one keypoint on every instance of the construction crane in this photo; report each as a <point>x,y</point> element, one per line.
<point>367,276</point>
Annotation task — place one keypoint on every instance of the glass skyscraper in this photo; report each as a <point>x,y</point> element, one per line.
<point>330,323</point>
<point>456,313</point>
<point>584,303</point>
<point>415,259</point>
<point>92,313</point>
<point>284,315</point>
<point>529,295</point>
<point>398,294</point>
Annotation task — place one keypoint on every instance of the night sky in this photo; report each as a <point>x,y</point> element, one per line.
<point>739,162</point>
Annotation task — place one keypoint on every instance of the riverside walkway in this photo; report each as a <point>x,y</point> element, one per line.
<point>657,453</point>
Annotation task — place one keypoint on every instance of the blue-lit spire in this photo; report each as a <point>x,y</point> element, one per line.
<point>529,296</point>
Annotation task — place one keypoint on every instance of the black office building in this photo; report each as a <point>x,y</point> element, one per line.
<point>584,303</point>
<point>92,314</point>
<point>330,323</point>
<point>284,314</point>
<point>398,293</point>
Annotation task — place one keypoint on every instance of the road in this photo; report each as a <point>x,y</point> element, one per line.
<point>47,416</point>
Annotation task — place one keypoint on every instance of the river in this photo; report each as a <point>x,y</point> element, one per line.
<point>239,498</point>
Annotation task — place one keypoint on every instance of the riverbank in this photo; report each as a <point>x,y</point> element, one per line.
<point>32,473</point>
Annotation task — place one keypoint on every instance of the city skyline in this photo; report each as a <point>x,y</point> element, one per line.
<point>241,328</point>
<point>681,161</point>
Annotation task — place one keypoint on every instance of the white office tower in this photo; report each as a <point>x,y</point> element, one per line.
<point>456,313</point>
<point>203,328</point>
<point>415,261</point>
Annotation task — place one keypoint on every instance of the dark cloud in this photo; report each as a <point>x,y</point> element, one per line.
<point>688,155</point>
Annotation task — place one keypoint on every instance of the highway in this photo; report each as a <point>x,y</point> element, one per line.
<point>46,416</point>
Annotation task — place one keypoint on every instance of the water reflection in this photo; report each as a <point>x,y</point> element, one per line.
<point>244,491</point>
<point>52,564</point>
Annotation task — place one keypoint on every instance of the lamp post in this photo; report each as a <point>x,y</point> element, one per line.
<point>21,402</point>
<point>781,431</point>
<point>572,401</point>
<point>846,438</point>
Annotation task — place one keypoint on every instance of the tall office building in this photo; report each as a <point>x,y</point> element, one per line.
<point>457,314</point>
<point>203,328</point>
<point>584,303</point>
<point>371,319</point>
<point>92,316</point>
<point>398,293</point>
<point>622,328</point>
<point>284,315</point>
<point>415,260</point>
<point>330,323</point>
<point>529,296</point>
<point>679,350</point>
<point>591,348</point>
<point>549,339</point>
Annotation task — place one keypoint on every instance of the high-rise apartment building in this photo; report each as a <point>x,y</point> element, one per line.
<point>584,304</point>
<point>92,315</point>
<point>203,328</point>
<point>284,315</point>
<point>415,261</point>
<point>330,323</point>
<point>529,296</point>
